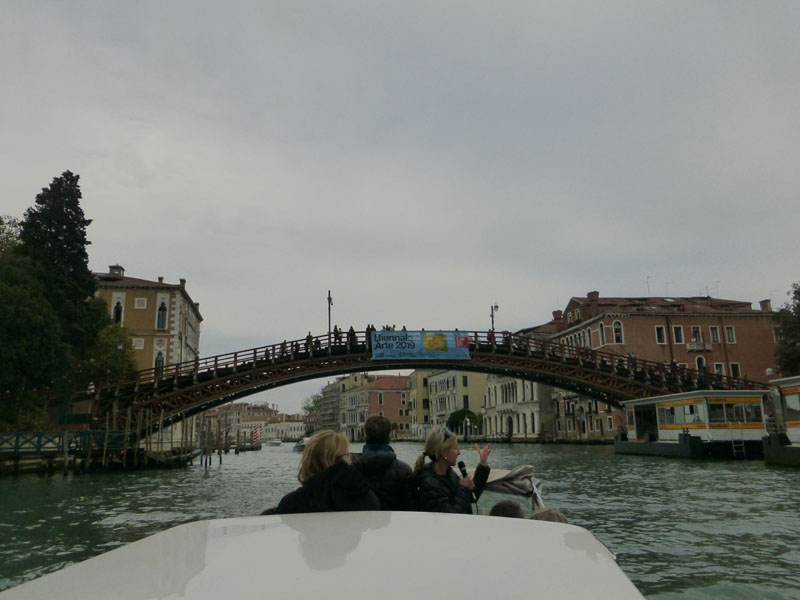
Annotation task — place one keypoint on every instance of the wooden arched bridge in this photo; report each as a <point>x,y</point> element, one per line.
<point>177,391</point>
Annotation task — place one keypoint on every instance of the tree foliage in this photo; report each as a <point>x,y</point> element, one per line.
<point>312,404</point>
<point>9,234</point>
<point>787,322</point>
<point>455,420</point>
<point>55,336</point>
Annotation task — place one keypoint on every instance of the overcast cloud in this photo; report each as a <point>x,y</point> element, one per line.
<point>421,160</point>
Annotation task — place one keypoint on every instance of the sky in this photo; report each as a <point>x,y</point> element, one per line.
<point>420,160</point>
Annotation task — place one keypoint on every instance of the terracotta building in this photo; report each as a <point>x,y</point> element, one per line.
<point>163,320</point>
<point>728,337</point>
<point>387,395</point>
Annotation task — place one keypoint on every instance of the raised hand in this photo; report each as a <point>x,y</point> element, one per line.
<point>484,453</point>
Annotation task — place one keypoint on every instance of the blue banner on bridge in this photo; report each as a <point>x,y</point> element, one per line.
<point>419,344</point>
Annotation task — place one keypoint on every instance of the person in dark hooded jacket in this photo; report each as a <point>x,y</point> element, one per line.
<point>329,480</point>
<point>387,476</point>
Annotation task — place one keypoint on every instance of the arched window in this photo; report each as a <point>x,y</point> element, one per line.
<point>618,337</point>
<point>602,334</point>
<point>161,321</point>
<point>589,338</point>
<point>118,312</point>
<point>159,361</point>
<point>701,363</point>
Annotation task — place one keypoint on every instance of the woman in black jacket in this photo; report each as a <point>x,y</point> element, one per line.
<point>329,480</point>
<point>439,488</point>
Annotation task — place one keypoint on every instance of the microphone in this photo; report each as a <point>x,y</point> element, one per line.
<point>463,468</point>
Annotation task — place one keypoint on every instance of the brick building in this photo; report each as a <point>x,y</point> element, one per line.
<point>387,395</point>
<point>728,337</point>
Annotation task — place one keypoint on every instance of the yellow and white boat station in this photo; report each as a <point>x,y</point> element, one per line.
<point>723,423</point>
<point>782,446</point>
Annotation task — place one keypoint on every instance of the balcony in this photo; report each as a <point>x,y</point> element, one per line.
<point>698,346</point>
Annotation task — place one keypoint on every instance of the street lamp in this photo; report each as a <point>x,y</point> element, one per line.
<point>330,303</point>
<point>494,308</point>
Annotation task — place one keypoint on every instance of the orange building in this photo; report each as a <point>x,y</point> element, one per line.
<point>387,395</point>
<point>728,337</point>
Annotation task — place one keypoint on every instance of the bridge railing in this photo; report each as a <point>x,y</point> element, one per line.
<point>671,377</point>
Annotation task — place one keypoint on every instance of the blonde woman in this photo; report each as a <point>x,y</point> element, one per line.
<point>439,488</point>
<point>329,480</point>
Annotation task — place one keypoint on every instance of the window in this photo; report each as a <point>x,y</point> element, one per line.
<point>569,317</point>
<point>140,303</point>
<point>713,332</point>
<point>602,334</point>
<point>380,397</point>
<point>161,321</point>
<point>589,338</point>
<point>577,314</point>
<point>118,312</point>
<point>610,422</point>
<point>159,360</point>
<point>618,337</point>
<point>719,368</point>
<point>776,334</point>
<point>697,334</point>
<point>137,343</point>
<point>701,363</point>
<point>736,370</point>
<point>465,401</point>
<point>677,334</point>
<point>730,334</point>
<point>464,380</point>
<point>661,335</point>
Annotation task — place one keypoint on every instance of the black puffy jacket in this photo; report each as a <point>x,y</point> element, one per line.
<point>339,487</point>
<point>442,493</point>
<point>387,476</point>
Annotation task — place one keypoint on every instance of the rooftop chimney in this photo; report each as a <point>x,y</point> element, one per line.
<point>557,314</point>
<point>160,279</point>
<point>593,296</point>
<point>116,270</point>
<point>766,305</point>
<point>183,283</point>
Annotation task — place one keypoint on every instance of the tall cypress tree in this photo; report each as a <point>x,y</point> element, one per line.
<point>53,235</point>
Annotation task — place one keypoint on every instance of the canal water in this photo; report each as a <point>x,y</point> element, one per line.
<point>681,529</point>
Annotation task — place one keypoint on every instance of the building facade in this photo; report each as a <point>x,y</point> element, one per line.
<point>387,396</point>
<point>163,320</point>
<point>517,410</point>
<point>727,337</point>
<point>449,391</point>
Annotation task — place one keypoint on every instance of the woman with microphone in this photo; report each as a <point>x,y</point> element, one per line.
<point>439,488</point>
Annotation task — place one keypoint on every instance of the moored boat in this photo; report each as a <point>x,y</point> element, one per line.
<point>300,445</point>
<point>697,424</point>
<point>273,442</point>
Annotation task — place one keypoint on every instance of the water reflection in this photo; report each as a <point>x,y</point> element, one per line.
<point>696,528</point>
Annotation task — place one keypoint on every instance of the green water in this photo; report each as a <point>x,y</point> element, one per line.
<point>681,529</point>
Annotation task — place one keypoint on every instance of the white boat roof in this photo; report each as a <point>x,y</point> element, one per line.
<point>709,395</point>
<point>375,555</point>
